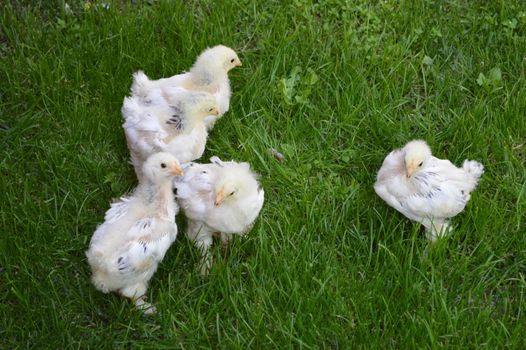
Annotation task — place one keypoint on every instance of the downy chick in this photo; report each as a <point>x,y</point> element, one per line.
<point>220,197</point>
<point>424,188</point>
<point>175,125</point>
<point>137,231</point>
<point>209,73</point>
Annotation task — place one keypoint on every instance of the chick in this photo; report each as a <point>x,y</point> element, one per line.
<point>138,230</point>
<point>174,125</point>
<point>209,73</point>
<point>220,197</point>
<point>424,188</point>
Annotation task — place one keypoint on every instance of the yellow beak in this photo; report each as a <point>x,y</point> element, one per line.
<point>410,169</point>
<point>176,170</point>
<point>220,197</point>
<point>238,64</point>
<point>215,112</point>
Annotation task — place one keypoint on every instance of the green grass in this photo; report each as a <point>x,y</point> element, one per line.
<point>328,264</point>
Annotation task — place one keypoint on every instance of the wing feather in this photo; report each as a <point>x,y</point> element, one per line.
<point>149,239</point>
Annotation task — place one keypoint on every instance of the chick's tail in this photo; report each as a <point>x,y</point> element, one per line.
<point>474,170</point>
<point>141,85</point>
<point>148,92</point>
<point>131,109</point>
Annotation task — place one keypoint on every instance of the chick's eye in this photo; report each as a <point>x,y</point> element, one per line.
<point>163,165</point>
<point>232,60</point>
<point>211,109</point>
<point>421,163</point>
<point>232,193</point>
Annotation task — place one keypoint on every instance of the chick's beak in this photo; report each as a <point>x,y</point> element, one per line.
<point>176,170</point>
<point>215,112</point>
<point>238,64</point>
<point>220,196</point>
<point>410,169</point>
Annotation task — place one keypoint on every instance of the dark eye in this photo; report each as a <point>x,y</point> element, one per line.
<point>163,165</point>
<point>421,163</point>
<point>232,193</point>
<point>232,60</point>
<point>211,109</point>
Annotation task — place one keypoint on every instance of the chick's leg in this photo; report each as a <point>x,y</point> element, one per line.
<point>436,229</point>
<point>136,293</point>
<point>201,235</point>
<point>144,306</point>
<point>225,239</point>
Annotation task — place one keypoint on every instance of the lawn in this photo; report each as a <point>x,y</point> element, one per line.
<point>332,85</point>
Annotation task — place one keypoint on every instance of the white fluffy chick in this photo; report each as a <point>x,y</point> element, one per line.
<point>220,197</point>
<point>209,73</point>
<point>138,230</point>
<point>175,125</point>
<point>424,188</point>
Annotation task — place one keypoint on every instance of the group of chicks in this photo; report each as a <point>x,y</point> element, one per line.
<point>166,123</point>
